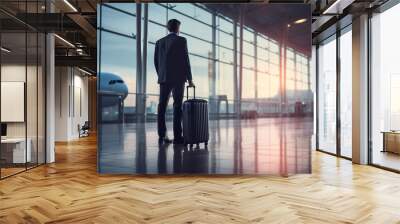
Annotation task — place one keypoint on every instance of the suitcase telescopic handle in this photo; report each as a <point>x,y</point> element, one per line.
<point>187,92</point>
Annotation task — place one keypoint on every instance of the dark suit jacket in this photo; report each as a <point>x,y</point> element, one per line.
<point>171,59</point>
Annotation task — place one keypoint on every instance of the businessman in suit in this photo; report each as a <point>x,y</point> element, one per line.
<point>171,60</point>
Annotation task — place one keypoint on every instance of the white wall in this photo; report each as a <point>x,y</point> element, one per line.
<point>17,73</point>
<point>80,112</point>
<point>34,124</point>
<point>71,102</point>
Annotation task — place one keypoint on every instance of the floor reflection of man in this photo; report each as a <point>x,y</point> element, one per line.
<point>162,159</point>
<point>177,166</point>
<point>184,161</point>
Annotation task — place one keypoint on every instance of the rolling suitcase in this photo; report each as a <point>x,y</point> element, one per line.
<point>195,120</point>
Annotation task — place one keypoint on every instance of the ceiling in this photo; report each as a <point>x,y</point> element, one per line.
<point>272,20</point>
<point>76,21</point>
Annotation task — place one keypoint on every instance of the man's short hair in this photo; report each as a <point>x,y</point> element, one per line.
<point>173,25</point>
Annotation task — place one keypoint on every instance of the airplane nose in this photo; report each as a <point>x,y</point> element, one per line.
<point>124,89</point>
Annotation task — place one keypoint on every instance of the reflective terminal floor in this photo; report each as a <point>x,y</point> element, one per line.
<point>264,146</point>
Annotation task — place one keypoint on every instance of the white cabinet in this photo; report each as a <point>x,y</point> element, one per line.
<point>19,155</point>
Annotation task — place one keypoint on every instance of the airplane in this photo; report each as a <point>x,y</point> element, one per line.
<point>113,86</point>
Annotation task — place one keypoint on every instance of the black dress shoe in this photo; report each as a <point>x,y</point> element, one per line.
<point>164,140</point>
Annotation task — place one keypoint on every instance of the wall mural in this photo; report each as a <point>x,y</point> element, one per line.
<point>254,97</point>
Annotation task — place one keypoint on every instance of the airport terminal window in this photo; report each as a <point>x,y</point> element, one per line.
<point>118,62</point>
<point>385,88</point>
<point>200,72</point>
<point>123,7</point>
<point>263,71</point>
<point>117,102</point>
<point>327,96</point>
<point>225,38</point>
<point>191,24</point>
<point>193,11</point>
<point>248,91</point>
<point>113,17</point>
<point>303,68</point>
<point>194,18</point>
<point>224,48</point>
<point>290,77</point>
<point>155,31</point>
<point>199,44</point>
<point>248,36</point>
<point>198,47</point>
<point>157,16</point>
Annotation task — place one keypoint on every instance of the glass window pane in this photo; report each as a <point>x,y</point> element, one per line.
<point>193,11</point>
<point>118,70</point>
<point>274,58</point>
<point>41,99</point>
<point>198,47</point>
<point>112,20</point>
<point>32,100</point>
<point>117,87</point>
<point>248,84</point>
<point>385,91</point>
<point>225,39</point>
<point>224,25</point>
<point>225,55</point>
<point>155,32</point>
<point>248,48</point>
<point>191,26</point>
<point>346,93</point>
<point>13,78</point>
<point>273,46</point>
<point>225,80</point>
<point>151,79</point>
<point>157,13</point>
<point>200,75</point>
<point>248,35</point>
<point>248,62</point>
<point>263,85</point>
<point>327,96</point>
<point>126,7</point>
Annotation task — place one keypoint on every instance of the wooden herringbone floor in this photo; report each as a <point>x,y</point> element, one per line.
<point>70,191</point>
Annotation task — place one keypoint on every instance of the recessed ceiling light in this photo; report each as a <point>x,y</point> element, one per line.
<point>5,50</point>
<point>337,7</point>
<point>299,21</point>
<point>64,40</point>
<point>84,71</point>
<point>70,5</point>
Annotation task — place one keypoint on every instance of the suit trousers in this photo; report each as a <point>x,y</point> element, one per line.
<point>177,90</point>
